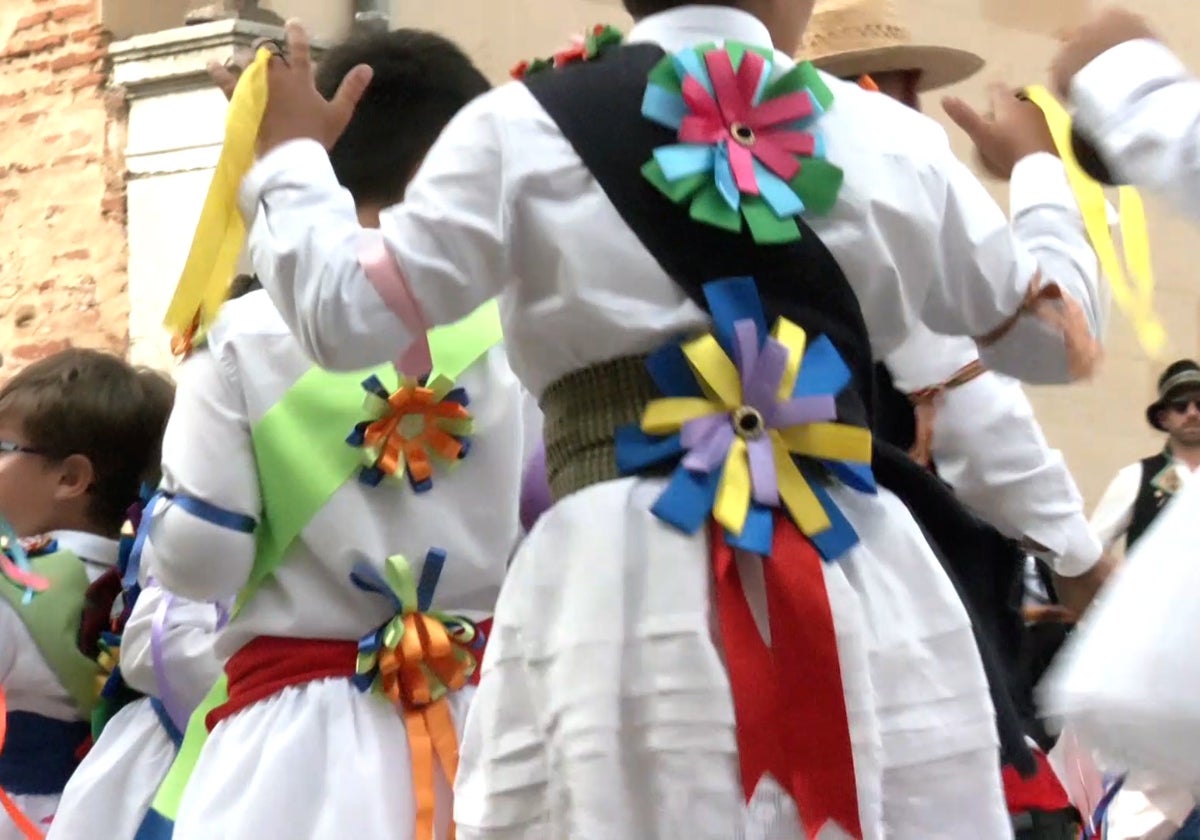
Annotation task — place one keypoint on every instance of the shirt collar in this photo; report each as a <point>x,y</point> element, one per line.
<point>90,547</point>
<point>686,26</point>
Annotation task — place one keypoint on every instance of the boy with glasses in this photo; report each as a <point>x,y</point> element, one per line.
<point>79,434</point>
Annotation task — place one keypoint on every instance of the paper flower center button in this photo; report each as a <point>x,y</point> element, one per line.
<point>742,133</point>
<point>748,421</point>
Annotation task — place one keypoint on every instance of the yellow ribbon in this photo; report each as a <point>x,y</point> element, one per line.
<point>1134,293</point>
<point>221,233</point>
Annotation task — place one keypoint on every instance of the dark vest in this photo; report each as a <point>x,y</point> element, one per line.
<point>594,102</point>
<point>1150,501</point>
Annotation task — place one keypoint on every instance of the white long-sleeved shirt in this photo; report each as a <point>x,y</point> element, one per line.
<point>1141,107</point>
<point>1114,512</point>
<point>987,442</point>
<point>504,206</point>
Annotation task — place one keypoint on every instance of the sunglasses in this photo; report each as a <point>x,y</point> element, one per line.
<point>8,447</point>
<point>1181,406</point>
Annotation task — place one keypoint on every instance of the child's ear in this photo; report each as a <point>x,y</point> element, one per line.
<point>75,477</point>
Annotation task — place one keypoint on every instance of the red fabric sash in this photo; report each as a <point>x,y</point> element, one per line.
<point>788,698</point>
<point>269,664</point>
<point>1040,792</point>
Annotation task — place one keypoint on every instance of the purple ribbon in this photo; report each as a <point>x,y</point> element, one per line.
<point>761,370</point>
<point>158,628</point>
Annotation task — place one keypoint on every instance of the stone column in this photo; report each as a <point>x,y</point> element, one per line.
<point>207,11</point>
<point>176,126</point>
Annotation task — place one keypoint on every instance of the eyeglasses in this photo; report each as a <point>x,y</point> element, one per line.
<point>1181,406</point>
<point>8,447</point>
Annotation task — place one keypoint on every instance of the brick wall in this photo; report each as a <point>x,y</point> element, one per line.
<point>62,195</point>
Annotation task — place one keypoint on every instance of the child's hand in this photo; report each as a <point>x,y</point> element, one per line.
<point>1106,30</point>
<point>295,108</point>
<point>1014,129</point>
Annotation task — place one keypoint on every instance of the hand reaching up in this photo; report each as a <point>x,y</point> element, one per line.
<point>1013,129</point>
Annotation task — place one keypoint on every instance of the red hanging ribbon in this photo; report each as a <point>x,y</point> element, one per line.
<point>787,697</point>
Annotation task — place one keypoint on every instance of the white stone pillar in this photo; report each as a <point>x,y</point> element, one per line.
<point>176,125</point>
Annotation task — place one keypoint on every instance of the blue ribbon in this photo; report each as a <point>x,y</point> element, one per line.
<point>210,513</point>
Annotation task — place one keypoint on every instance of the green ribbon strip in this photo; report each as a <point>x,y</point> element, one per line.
<point>170,793</point>
<point>299,444</point>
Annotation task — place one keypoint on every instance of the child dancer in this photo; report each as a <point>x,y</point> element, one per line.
<point>166,657</point>
<point>609,708</point>
<point>382,558</point>
<point>79,433</point>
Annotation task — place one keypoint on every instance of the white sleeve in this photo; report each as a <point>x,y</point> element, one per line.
<point>1114,514</point>
<point>1141,107</point>
<point>448,239</point>
<point>188,632</point>
<point>990,448</point>
<point>983,271</point>
<point>207,455</point>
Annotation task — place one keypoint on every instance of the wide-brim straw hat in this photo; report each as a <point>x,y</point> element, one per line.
<point>852,38</point>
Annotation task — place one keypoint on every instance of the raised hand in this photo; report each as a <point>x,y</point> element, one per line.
<point>295,108</point>
<point>1013,129</point>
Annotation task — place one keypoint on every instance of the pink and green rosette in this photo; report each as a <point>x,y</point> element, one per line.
<point>749,151</point>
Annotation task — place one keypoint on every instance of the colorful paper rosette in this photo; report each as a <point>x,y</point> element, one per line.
<point>411,428</point>
<point>582,48</point>
<point>418,655</point>
<point>749,148</point>
<point>415,659</point>
<point>749,419</point>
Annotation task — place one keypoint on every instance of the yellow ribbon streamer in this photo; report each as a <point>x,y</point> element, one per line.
<point>1134,293</point>
<point>221,233</point>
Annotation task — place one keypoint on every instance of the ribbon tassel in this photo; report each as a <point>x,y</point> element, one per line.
<point>415,660</point>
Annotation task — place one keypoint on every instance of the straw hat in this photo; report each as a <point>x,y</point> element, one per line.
<point>850,38</point>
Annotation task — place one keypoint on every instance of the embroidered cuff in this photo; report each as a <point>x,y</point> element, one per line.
<point>1010,347</point>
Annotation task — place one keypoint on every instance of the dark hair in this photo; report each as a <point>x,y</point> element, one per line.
<point>421,80</point>
<point>243,284</point>
<point>642,8</point>
<point>84,402</point>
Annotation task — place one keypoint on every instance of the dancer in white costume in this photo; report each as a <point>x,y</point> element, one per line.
<point>605,710</point>
<point>110,793</point>
<point>301,748</point>
<point>81,432</point>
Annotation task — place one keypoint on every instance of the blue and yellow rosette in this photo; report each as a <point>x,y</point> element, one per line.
<point>415,659</point>
<point>749,149</point>
<point>409,429</point>
<point>750,419</point>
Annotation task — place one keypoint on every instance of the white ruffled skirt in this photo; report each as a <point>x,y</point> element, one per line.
<point>604,712</point>
<point>110,793</point>
<point>321,761</point>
